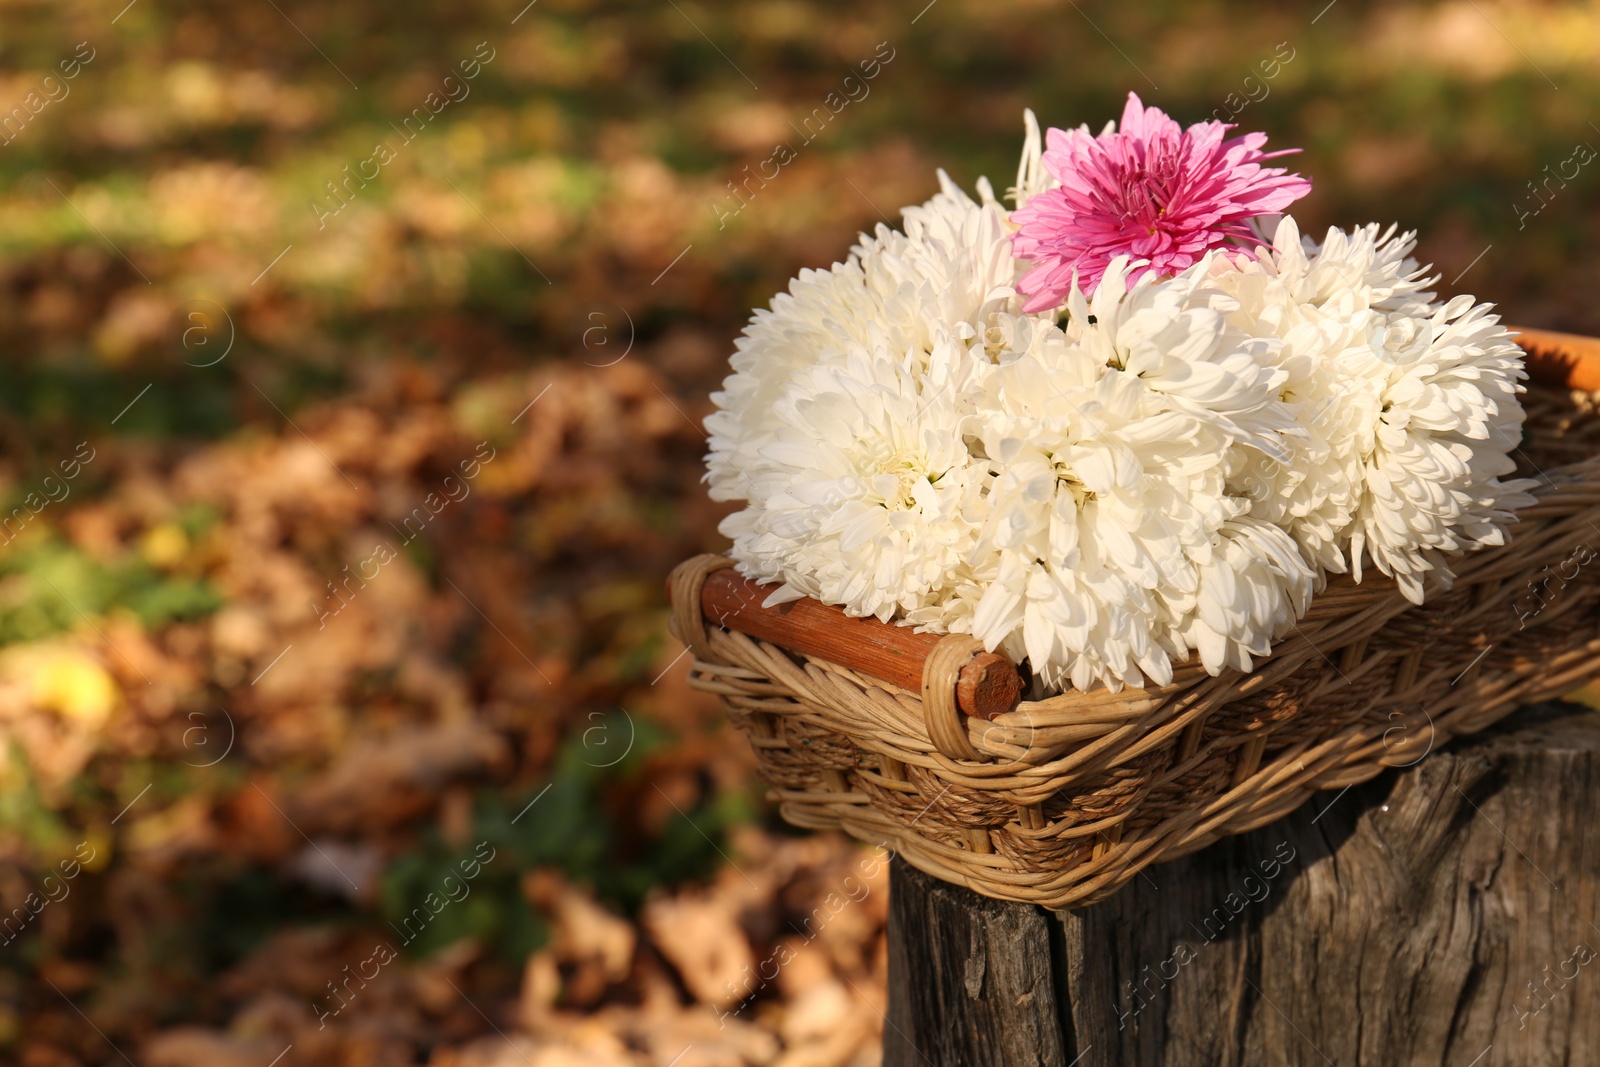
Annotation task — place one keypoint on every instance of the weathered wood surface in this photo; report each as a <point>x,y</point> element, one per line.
<point>1439,916</point>
<point>971,980</point>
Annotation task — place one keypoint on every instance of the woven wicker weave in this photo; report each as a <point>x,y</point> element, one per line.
<point>1064,799</point>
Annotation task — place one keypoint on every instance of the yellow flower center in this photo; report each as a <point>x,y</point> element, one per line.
<point>908,469</point>
<point>1081,494</point>
<point>994,343</point>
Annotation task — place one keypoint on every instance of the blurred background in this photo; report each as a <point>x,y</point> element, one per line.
<point>355,358</point>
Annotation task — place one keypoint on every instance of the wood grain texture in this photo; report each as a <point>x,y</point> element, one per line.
<point>970,978</point>
<point>987,686</point>
<point>1427,918</point>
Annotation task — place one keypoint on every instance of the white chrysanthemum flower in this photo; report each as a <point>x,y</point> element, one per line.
<point>1441,443</point>
<point>948,273</point>
<point>1409,407</point>
<point>1312,493</point>
<point>1252,591</point>
<point>864,493</point>
<point>955,257</point>
<point>1174,338</point>
<point>1109,528</point>
<point>1351,272</point>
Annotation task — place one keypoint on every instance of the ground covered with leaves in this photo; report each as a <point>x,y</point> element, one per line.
<point>349,425</point>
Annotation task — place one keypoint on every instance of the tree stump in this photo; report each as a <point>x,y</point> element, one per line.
<point>1438,916</point>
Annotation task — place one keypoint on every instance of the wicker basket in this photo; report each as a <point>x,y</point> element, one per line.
<point>1060,801</point>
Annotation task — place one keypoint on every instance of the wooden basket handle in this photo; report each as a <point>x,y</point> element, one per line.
<point>986,683</point>
<point>1561,359</point>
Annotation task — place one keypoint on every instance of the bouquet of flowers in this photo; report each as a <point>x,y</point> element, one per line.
<point>1136,417</point>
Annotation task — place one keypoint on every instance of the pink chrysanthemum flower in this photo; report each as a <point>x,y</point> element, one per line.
<point>1151,191</point>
